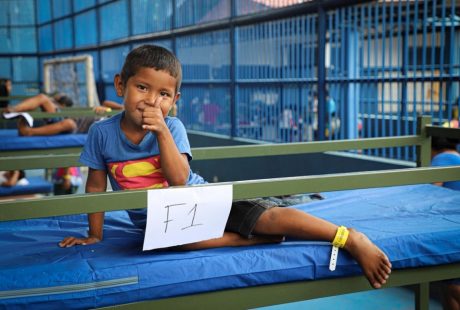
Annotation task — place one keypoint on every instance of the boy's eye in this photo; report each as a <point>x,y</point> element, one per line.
<point>141,87</point>
<point>164,94</point>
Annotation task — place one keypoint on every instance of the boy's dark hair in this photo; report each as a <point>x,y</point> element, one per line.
<point>4,93</point>
<point>151,56</point>
<point>442,143</point>
<point>65,101</point>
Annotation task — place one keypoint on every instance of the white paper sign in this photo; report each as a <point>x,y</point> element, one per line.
<point>178,216</point>
<point>27,116</point>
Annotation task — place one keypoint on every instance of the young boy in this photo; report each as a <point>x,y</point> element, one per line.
<point>144,148</point>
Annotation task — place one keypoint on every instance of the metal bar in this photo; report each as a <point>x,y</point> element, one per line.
<point>321,71</point>
<point>124,200</point>
<point>39,153</point>
<point>32,159</point>
<point>39,161</point>
<point>424,149</point>
<point>72,113</point>
<point>422,296</point>
<point>437,131</point>
<point>300,148</point>
<point>259,296</point>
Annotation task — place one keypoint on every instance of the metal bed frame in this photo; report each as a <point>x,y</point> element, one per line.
<point>251,297</point>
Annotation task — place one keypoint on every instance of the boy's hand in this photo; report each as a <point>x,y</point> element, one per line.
<point>153,118</point>
<point>71,241</point>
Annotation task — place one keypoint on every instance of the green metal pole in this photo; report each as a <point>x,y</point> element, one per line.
<point>424,148</point>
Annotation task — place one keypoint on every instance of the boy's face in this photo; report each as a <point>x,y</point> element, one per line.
<point>143,88</point>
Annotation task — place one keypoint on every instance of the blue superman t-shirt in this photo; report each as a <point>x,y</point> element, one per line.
<point>129,165</point>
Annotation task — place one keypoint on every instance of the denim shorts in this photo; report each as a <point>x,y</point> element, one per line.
<point>245,213</point>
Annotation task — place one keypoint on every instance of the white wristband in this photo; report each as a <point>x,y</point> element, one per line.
<point>333,260</point>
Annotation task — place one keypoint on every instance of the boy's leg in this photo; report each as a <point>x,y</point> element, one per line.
<point>229,239</point>
<point>295,223</point>
<point>39,101</point>
<point>238,230</point>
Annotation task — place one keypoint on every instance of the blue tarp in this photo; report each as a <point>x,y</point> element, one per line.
<point>36,185</point>
<point>12,142</point>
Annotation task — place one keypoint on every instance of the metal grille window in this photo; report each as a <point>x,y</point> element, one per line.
<point>150,16</point>
<point>205,104</point>
<point>192,12</point>
<point>324,69</point>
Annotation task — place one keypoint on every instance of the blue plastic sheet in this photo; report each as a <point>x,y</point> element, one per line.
<point>12,142</point>
<point>36,185</point>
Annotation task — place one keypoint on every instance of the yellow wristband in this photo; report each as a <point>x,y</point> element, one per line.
<point>340,237</point>
<point>67,177</point>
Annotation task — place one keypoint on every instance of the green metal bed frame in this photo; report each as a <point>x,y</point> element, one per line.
<point>252,297</point>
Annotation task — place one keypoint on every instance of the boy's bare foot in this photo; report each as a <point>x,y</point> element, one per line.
<point>375,264</point>
<point>23,127</point>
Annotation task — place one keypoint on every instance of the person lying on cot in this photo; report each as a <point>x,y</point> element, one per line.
<point>13,177</point>
<point>144,134</point>
<point>108,106</point>
<point>444,153</point>
<point>53,125</point>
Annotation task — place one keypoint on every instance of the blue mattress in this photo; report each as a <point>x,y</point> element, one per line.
<point>37,185</point>
<point>415,225</point>
<point>12,142</point>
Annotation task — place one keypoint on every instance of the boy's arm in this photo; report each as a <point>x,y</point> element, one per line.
<point>113,105</point>
<point>107,106</point>
<point>97,182</point>
<point>174,165</point>
<point>12,179</point>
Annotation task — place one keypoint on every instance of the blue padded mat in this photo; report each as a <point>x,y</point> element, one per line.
<point>415,225</point>
<point>8,132</point>
<point>37,185</point>
<point>12,142</point>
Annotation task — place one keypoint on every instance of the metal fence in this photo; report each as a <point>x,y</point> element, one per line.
<point>271,70</point>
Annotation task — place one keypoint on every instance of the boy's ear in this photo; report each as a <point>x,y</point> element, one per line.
<point>176,97</point>
<point>117,82</point>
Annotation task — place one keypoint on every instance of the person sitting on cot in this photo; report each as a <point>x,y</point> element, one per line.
<point>149,83</point>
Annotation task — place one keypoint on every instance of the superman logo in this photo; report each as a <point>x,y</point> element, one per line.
<point>138,174</point>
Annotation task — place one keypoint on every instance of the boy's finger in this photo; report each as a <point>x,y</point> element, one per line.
<point>157,102</point>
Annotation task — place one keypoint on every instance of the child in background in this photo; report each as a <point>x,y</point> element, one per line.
<point>55,125</point>
<point>153,147</point>
<point>13,177</point>
<point>49,104</point>
<point>444,153</point>
<point>67,180</point>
